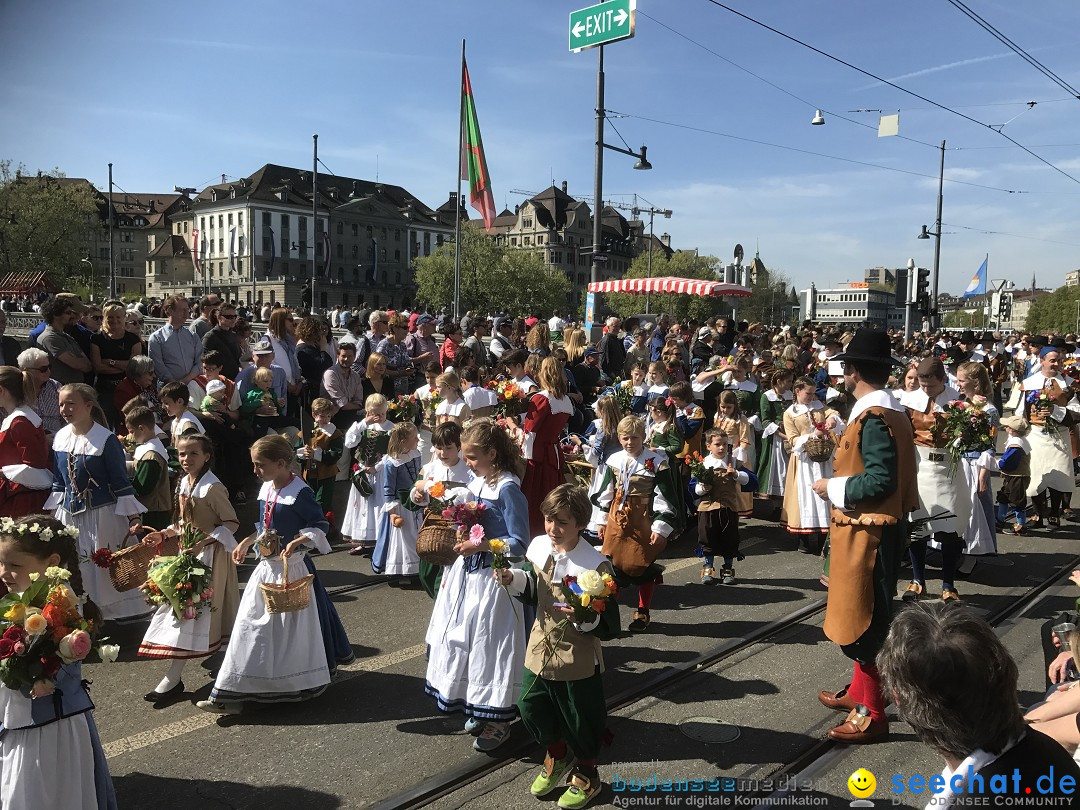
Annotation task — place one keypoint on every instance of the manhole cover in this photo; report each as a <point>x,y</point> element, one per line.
<point>709,730</point>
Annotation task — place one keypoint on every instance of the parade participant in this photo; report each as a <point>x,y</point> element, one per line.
<point>804,514</point>
<point>25,473</point>
<point>562,692</point>
<point>718,516</point>
<point>943,496</point>
<point>657,380</point>
<point>50,753</point>
<point>44,398</point>
<point>729,418</point>
<point>202,502</point>
<point>737,378</point>
<point>395,538</point>
<point>481,401</point>
<point>980,538</point>
<point>514,362</point>
<point>1015,469</point>
<point>475,664</point>
<point>639,390</point>
<point>424,395</point>
<point>369,438</point>
<point>1051,409</point>
<point>149,467</point>
<point>453,406</point>
<point>92,492</point>
<point>637,495</point>
<point>319,457</point>
<point>175,400</point>
<point>449,469</point>
<point>278,657</point>
<point>662,434</point>
<point>873,489</point>
<point>600,441</point>
<point>689,418</point>
<point>547,414</point>
<point>773,454</point>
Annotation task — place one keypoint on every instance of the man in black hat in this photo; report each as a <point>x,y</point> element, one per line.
<point>871,494</point>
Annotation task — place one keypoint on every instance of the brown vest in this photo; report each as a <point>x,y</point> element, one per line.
<point>927,426</point>
<point>160,498</point>
<point>1060,397</point>
<point>320,441</point>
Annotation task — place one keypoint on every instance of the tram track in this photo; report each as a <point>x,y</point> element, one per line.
<point>811,763</point>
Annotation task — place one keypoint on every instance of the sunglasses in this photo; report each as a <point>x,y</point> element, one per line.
<point>46,367</point>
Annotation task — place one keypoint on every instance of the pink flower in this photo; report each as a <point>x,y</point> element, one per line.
<point>476,534</point>
<point>75,646</point>
<point>19,648</point>
<point>189,613</point>
<point>208,594</point>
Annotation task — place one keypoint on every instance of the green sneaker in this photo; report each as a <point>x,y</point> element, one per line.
<point>582,790</point>
<point>551,776</point>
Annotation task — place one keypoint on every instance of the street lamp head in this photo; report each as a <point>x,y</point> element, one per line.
<point>667,214</point>
<point>925,234</point>
<point>643,162</point>
<point>818,119</point>
<point>910,264</point>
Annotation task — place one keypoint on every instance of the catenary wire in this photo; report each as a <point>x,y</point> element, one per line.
<point>1006,233</point>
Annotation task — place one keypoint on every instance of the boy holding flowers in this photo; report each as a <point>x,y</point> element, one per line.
<point>562,698</point>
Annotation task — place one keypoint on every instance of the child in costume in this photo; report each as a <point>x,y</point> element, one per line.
<point>149,469</point>
<point>476,637</point>
<point>1015,469</point>
<point>280,657</point>
<point>662,433</point>
<point>562,693</point>
<point>637,494</point>
<point>729,418</point>
<point>718,515</point>
<point>399,523</point>
<point>428,400</point>
<point>321,455</point>
<point>601,440</point>
<point>175,399</point>
<point>773,453</point>
<point>203,504</point>
<point>92,492</point>
<point>453,405</point>
<point>448,469</point>
<point>50,752</point>
<point>369,438</point>
<point>639,389</point>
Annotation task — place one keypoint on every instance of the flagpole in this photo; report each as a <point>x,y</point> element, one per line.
<point>457,196</point>
<point>314,212</point>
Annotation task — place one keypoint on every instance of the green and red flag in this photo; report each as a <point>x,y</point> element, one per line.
<point>473,160</point>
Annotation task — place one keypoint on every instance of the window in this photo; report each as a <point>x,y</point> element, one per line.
<point>185,227</point>
<point>527,222</point>
<point>527,241</point>
<point>303,225</point>
<point>356,251</point>
<point>397,278</point>
<point>384,234</point>
<point>221,245</point>
<point>427,244</point>
<point>369,232</point>
<point>266,266</point>
<point>220,221</point>
<point>438,240</point>
<point>202,223</point>
<point>285,246</point>
<point>341,228</point>
<point>230,219</point>
<point>513,241</point>
<point>149,243</point>
<point>340,251</point>
<point>266,219</point>
<point>285,222</point>
<point>397,255</point>
<point>355,229</point>
<point>266,245</point>
<point>540,239</point>
<point>240,220</point>
<point>397,234</point>
<point>302,248</point>
<point>382,254</point>
<point>240,266</point>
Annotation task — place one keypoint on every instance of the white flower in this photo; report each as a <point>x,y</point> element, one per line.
<point>35,527</point>
<point>7,525</point>
<point>591,583</point>
<point>109,652</point>
<point>46,534</point>
<point>54,573</point>
<point>34,576</point>
<point>71,531</point>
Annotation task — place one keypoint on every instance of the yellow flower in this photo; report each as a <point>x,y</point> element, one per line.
<point>498,546</point>
<point>585,598</point>
<point>16,613</point>
<point>35,624</point>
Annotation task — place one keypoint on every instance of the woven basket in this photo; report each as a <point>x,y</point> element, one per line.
<point>819,447</point>
<point>436,540</point>
<point>287,597</point>
<point>128,568</point>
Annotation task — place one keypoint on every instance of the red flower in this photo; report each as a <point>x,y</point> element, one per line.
<point>54,614</point>
<point>50,665</point>
<point>7,648</point>
<point>102,558</point>
<point>59,632</point>
<point>13,633</point>
<point>598,605</point>
<point>650,465</point>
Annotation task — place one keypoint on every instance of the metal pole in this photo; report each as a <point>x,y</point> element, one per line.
<point>912,273</point>
<point>598,175</point>
<point>112,260</point>
<point>457,195</point>
<point>251,254</point>
<point>651,214</point>
<point>315,214</point>
<point>936,320</point>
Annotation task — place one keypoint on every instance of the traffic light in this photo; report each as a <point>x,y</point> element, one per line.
<point>922,290</point>
<point>1005,307</point>
<point>901,287</point>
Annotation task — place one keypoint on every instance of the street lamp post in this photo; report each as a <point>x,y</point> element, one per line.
<point>935,321</point>
<point>86,260</point>
<point>651,211</point>
<point>912,273</point>
<point>112,260</point>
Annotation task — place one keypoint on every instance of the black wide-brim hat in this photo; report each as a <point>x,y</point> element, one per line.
<point>869,346</point>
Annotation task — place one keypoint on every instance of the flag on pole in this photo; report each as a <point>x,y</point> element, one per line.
<point>232,250</point>
<point>326,251</point>
<point>273,251</point>
<point>473,160</point>
<point>195,250</point>
<point>977,285</point>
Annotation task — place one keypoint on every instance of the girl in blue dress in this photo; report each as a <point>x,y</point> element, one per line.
<point>280,657</point>
<point>476,638</point>
<point>395,540</point>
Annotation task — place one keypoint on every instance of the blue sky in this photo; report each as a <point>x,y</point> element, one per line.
<point>179,94</point>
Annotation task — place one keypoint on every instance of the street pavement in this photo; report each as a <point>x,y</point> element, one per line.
<point>375,733</point>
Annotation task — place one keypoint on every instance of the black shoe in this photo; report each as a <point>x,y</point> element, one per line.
<point>165,697</point>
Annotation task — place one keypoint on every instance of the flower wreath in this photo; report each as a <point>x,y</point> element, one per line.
<point>44,533</point>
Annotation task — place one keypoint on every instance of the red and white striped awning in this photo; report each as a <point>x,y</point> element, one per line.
<point>670,284</point>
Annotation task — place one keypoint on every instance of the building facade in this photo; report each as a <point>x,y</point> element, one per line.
<point>256,240</point>
<point>852,305</point>
<point>1072,279</point>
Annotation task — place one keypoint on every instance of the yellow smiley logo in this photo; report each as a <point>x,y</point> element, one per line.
<point>861,783</point>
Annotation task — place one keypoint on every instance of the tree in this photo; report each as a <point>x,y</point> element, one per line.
<point>769,301</point>
<point>43,224</point>
<point>494,278</point>
<point>683,264</point>
<point>1054,312</point>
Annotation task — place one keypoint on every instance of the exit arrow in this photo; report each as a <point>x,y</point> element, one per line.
<point>620,16</point>
<point>578,29</point>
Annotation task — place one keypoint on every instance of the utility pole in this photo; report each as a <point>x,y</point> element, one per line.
<point>315,214</point>
<point>112,258</point>
<point>598,174</point>
<point>936,320</point>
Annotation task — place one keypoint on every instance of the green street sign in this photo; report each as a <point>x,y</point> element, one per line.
<point>601,24</point>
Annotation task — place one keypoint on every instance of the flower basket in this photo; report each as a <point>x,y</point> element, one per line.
<point>128,566</point>
<point>820,447</point>
<point>288,597</point>
<point>436,540</point>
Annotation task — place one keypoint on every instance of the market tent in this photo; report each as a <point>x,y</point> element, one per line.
<point>27,282</point>
<point>670,284</point>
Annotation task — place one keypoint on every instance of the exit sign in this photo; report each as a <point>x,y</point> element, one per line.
<point>601,24</point>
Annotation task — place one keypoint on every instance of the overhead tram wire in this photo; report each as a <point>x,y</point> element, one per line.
<point>774,85</point>
<point>1012,46</point>
<point>894,85</point>
<point>1006,233</point>
<point>809,152</point>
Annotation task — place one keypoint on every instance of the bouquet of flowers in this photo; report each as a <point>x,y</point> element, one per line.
<point>1041,399</point>
<point>511,397</point>
<point>466,517</point>
<point>129,444</point>
<point>623,391</point>
<point>704,475</point>
<point>437,500</point>
<point>182,581</point>
<point>588,593</point>
<point>500,559</point>
<point>42,629</point>
<point>965,427</point>
<point>402,408</point>
<point>428,405</point>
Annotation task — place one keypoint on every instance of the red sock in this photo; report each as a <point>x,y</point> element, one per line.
<point>872,696</point>
<point>557,750</point>
<point>858,685</point>
<point>645,593</point>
